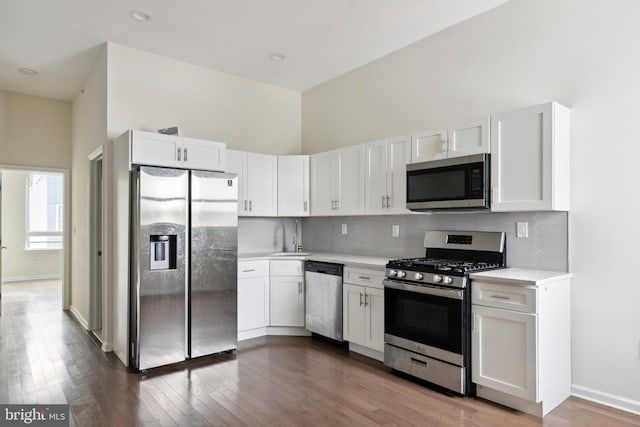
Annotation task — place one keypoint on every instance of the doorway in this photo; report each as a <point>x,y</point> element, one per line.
<point>33,231</point>
<point>96,259</point>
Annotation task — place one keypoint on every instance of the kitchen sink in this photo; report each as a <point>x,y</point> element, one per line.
<point>290,254</point>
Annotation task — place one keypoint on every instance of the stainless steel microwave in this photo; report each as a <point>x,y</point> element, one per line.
<point>451,184</point>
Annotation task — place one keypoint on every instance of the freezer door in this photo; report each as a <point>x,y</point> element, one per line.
<point>214,262</point>
<point>159,251</point>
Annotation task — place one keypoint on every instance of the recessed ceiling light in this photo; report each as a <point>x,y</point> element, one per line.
<point>277,57</point>
<point>139,15</point>
<point>28,71</point>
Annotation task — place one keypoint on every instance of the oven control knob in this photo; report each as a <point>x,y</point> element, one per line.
<point>392,273</point>
<point>437,278</point>
<point>401,274</point>
<point>419,276</point>
<point>447,280</point>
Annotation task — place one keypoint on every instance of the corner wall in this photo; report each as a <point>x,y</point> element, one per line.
<point>584,54</point>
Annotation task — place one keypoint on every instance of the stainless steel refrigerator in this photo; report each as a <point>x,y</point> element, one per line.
<point>183,284</point>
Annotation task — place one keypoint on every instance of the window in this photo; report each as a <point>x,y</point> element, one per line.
<point>45,211</point>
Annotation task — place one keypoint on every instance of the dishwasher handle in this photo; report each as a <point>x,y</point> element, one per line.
<point>329,268</point>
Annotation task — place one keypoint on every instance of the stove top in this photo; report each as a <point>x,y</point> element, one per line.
<point>449,266</point>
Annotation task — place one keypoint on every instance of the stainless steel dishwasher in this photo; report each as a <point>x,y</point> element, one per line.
<point>323,298</point>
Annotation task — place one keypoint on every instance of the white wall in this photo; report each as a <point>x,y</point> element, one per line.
<point>34,131</point>
<point>584,54</point>
<point>89,133</point>
<point>151,92</point>
<point>18,263</point>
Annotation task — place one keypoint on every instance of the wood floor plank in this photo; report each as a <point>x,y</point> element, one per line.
<point>46,357</point>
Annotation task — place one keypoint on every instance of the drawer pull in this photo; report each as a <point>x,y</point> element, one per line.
<point>249,271</point>
<point>364,277</point>
<point>420,362</point>
<point>500,297</point>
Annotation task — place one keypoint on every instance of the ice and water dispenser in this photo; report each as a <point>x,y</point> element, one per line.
<point>162,251</point>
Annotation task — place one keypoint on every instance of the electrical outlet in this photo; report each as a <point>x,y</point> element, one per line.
<point>522,230</point>
<point>395,230</point>
<point>344,229</point>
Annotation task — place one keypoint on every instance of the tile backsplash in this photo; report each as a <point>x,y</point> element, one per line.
<point>545,247</point>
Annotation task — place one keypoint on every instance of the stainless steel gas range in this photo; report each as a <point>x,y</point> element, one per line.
<point>427,306</point>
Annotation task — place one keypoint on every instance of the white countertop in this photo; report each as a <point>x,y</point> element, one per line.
<point>521,276</point>
<point>346,259</point>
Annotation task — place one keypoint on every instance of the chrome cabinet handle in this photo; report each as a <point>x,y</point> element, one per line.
<point>364,277</point>
<point>248,271</point>
<point>185,154</point>
<point>443,145</point>
<point>500,297</point>
<point>250,205</point>
<point>3,247</point>
<point>305,205</point>
<point>245,205</point>
<point>179,154</point>
<point>388,202</point>
<point>366,302</point>
<point>419,362</point>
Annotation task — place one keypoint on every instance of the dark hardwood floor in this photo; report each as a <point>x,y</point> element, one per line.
<point>46,357</point>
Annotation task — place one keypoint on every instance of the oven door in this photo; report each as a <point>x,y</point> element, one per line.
<point>456,183</point>
<point>427,319</point>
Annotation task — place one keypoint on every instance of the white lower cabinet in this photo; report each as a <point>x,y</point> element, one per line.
<point>253,296</point>
<point>363,311</point>
<point>287,293</point>
<point>520,345</point>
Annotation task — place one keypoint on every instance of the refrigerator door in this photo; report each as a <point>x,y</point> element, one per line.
<point>214,262</point>
<point>159,266</point>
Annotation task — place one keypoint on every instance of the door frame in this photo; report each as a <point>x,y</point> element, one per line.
<point>96,240</point>
<point>66,234</point>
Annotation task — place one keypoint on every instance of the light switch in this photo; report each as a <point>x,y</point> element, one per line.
<point>344,228</point>
<point>522,230</point>
<point>395,230</point>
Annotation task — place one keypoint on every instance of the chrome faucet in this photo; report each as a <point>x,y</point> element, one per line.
<point>296,245</point>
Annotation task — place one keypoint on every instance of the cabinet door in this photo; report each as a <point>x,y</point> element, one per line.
<point>398,155</point>
<point>253,303</point>
<point>236,162</point>
<point>203,155</point>
<point>322,179</point>
<point>293,186</point>
<point>374,321</point>
<point>428,145</point>
<point>148,148</point>
<point>262,184</point>
<point>287,301</point>
<point>504,353</point>
<point>350,185</point>
<point>530,159</point>
<point>375,183</point>
<point>469,138</point>
<point>353,327</point>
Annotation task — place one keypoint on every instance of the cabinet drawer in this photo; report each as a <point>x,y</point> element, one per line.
<point>516,298</point>
<point>253,269</point>
<point>364,277</point>
<point>286,268</point>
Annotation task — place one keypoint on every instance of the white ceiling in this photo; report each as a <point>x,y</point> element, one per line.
<point>321,39</point>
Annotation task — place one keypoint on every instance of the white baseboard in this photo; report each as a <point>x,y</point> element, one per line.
<point>607,399</point>
<point>31,278</point>
<point>107,347</point>
<point>83,322</point>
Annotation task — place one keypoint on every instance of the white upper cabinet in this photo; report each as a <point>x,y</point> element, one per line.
<point>461,139</point>
<point>258,182</point>
<point>203,155</point>
<point>148,148</point>
<point>530,159</point>
<point>293,186</point>
<point>337,182</point>
<point>385,170</point>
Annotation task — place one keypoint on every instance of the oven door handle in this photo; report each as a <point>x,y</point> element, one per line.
<point>429,290</point>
